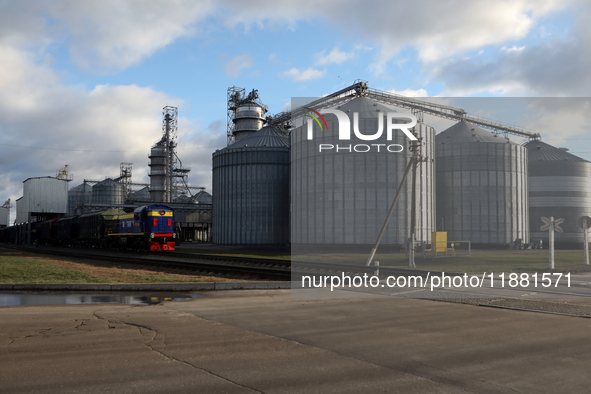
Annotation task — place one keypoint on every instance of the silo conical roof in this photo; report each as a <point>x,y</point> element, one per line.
<point>540,151</point>
<point>463,132</point>
<point>268,137</point>
<point>202,197</point>
<point>81,188</point>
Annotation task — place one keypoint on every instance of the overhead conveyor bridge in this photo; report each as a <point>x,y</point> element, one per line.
<point>416,106</point>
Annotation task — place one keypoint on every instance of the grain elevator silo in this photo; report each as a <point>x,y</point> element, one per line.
<point>5,214</point>
<point>79,196</point>
<point>341,195</point>
<point>251,190</point>
<point>482,188</point>
<point>108,193</point>
<point>43,198</point>
<point>559,186</point>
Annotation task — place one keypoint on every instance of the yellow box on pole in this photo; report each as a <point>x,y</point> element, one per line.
<point>439,241</point>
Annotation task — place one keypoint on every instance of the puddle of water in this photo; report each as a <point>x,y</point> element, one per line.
<point>45,298</point>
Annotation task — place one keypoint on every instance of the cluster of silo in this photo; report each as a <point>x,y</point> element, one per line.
<point>108,193</point>
<point>559,186</point>
<point>341,196</point>
<point>251,190</point>
<point>482,190</point>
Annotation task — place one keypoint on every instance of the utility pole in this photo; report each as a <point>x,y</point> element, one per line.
<point>415,148</point>
<point>412,164</point>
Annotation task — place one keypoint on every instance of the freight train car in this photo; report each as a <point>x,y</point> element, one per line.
<point>95,228</point>
<point>67,231</point>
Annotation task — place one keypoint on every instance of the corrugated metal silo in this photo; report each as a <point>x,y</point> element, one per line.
<point>43,195</point>
<point>142,195</point>
<point>481,186</point>
<point>158,166</point>
<point>559,186</point>
<point>4,217</point>
<point>202,197</point>
<point>108,193</point>
<point>251,190</point>
<point>78,195</point>
<point>343,197</point>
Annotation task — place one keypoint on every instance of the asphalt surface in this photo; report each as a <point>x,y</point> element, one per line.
<point>266,341</point>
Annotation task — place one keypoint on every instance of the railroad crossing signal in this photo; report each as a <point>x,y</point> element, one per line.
<point>551,225</point>
<point>549,221</point>
<point>584,222</point>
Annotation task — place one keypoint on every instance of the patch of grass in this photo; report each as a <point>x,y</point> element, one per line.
<point>18,269</point>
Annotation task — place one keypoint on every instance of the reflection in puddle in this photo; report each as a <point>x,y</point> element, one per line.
<point>44,298</point>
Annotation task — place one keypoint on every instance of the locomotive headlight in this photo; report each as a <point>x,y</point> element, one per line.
<point>151,235</point>
<point>173,235</point>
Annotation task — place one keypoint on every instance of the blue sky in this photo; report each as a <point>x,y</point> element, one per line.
<point>84,82</point>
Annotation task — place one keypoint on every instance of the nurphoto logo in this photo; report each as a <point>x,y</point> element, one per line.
<point>344,131</point>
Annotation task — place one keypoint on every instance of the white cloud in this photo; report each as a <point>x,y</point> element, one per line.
<point>410,92</point>
<point>446,28</point>
<point>304,75</point>
<point>102,35</point>
<point>513,49</point>
<point>560,118</point>
<point>556,67</point>
<point>234,67</point>
<point>335,56</point>
<point>115,34</point>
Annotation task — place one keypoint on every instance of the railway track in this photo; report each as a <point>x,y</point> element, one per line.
<point>250,268</point>
<point>260,268</point>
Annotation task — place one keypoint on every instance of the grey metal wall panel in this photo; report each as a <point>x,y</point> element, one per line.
<point>251,196</point>
<point>559,186</point>
<point>481,186</point>
<point>108,192</point>
<point>4,216</point>
<point>342,198</point>
<point>46,195</point>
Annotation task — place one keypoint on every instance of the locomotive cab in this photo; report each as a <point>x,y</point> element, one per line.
<point>158,224</point>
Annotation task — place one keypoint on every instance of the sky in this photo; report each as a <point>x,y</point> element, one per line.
<point>83,83</point>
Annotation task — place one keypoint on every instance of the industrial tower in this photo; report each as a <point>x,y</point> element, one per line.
<point>168,177</point>
<point>246,113</point>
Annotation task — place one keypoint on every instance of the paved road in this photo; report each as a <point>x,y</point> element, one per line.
<point>269,342</point>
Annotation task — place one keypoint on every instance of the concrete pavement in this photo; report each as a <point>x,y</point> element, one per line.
<point>267,342</point>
